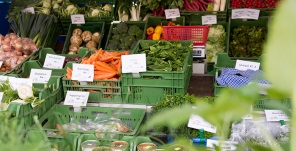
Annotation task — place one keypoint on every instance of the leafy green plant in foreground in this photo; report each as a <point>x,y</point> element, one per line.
<point>232,105</point>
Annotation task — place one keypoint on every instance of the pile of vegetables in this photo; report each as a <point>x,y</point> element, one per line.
<point>216,42</point>
<point>157,32</point>
<point>164,55</point>
<point>247,41</point>
<point>253,3</point>
<point>204,5</point>
<point>14,50</point>
<point>83,38</point>
<point>23,94</point>
<point>124,37</point>
<point>90,9</point>
<point>107,65</point>
<point>173,101</point>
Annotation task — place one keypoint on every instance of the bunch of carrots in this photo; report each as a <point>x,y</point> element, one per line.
<point>107,65</point>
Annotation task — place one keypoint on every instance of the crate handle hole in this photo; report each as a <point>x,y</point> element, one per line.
<point>125,112</point>
<point>99,113</point>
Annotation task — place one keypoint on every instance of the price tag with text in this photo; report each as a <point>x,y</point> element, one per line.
<point>77,19</point>
<point>133,63</point>
<point>1,96</point>
<point>40,75</point>
<point>54,61</point>
<point>29,10</point>
<point>16,82</point>
<point>226,145</point>
<point>209,19</point>
<point>172,13</point>
<point>83,72</point>
<point>246,65</point>
<point>198,122</point>
<point>276,115</point>
<point>245,13</point>
<point>76,98</point>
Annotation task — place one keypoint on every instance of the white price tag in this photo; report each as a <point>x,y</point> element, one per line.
<point>77,19</point>
<point>276,115</point>
<point>245,65</point>
<point>1,96</point>
<point>245,14</point>
<point>54,61</point>
<point>252,13</point>
<point>209,19</point>
<point>172,13</point>
<point>83,72</point>
<point>16,82</point>
<point>226,145</point>
<point>29,10</point>
<point>198,122</point>
<point>40,75</point>
<point>133,63</point>
<point>76,98</point>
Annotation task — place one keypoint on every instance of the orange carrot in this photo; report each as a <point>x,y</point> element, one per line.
<point>104,75</point>
<point>119,66</point>
<point>106,59</point>
<point>59,128</point>
<point>105,65</point>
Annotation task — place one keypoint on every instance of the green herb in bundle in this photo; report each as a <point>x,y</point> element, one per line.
<point>247,41</point>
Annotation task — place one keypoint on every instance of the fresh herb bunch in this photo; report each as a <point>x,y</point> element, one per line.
<point>164,55</point>
<point>172,101</point>
<point>247,41</point>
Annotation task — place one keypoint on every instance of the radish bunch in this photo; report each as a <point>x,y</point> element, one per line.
<point>202,5</point>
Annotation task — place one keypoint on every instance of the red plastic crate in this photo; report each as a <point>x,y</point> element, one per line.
<point>198,34</point>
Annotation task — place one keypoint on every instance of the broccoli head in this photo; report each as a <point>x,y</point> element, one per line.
<point>122,28</point>
<point>139,33</point>
<point>116,37</point>
<point>133,30</point>
<point>113,44</point>
<point>114,31</point>
<point>129,40</point>
<point>122,46</point>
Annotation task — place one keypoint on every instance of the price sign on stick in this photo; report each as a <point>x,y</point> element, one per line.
<point>77,19</point>
<point>246,65</point>
<point>133,63</point>
<point>209,19</point>
<point>83,72</point>
<point>245,14</point>
<point>198,122</point>
<point>76,98</point>
<point>172,13</point>
<point>276,115</point>
<point>54,61</point>
<point>16,82</point>
<point>40,76</point>
<point>226,145</point>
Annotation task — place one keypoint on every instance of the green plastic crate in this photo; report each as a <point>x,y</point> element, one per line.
<point>103,142</point>
<point>224,61</point>
<point>66,21</point>
<point>83,52</point>
<point>271,104</point>
<point>91,26</point>
<point>107,91</point>
<point>140,24</point>
<point>147,90</point>
<point>233,23</point>
<point>263,11</point>
<point>62,114</point>
<point>65,143</point>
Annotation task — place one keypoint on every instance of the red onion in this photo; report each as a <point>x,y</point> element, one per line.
<point>19,53</point>
<point>6,47</point>
<point>13,36</point>
<point>33,47</point>
<point>6,40</point>
<point>26,46</point>
<point>19,46</point>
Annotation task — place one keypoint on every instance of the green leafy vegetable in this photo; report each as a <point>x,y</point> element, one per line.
<point>216,42</point>
<point>164,55</point>
<point>247,41</point>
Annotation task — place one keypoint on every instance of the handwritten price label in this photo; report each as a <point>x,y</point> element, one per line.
<point>83,72</point>
<point>40,76</point>
<point>209,19</point>
<point>77,19</point>
<point>276,115</point>
<point>76,98</point>
<point>54,61</point>
<point>247,65</point>
<point>133,63</point>
<point>198,122</point>
<point>16,82</point>
<point>172,13</point>
<point>245,14</point>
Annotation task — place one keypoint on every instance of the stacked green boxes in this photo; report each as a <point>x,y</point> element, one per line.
<point>66,21</point>
<point>62,114</point>
<point>91,26</point>
<point>101,91</point>
<point>38,62</point>
<point>103,142</point>
<point>234,23</point>
<point>147,90</point>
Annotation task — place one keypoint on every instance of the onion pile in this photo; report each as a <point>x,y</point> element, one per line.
<point>14,50</point>
<point>80,38</point>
